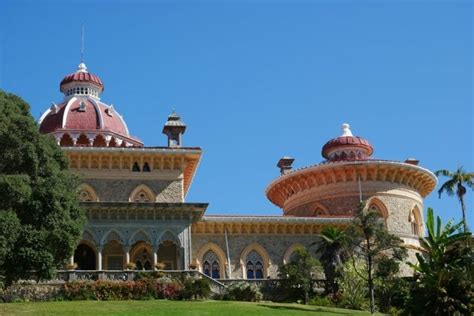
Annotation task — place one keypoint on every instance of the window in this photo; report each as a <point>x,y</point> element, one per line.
<point>211,265</point>
<point>142,197</point>
<point>135,167</point>
<point>85,196</point>
<point>415,222</point>
<point>146,167</point>
<point>250,274</point>
<point>254,265</point>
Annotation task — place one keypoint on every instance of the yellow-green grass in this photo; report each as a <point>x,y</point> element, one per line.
<point>168,308</point>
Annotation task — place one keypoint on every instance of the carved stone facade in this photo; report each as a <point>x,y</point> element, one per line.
<point>134,196</point>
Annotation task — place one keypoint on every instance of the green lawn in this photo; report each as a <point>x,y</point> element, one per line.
<point>168,308</point>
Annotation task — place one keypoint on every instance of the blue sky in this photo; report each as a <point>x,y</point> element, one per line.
<point>257,81</point>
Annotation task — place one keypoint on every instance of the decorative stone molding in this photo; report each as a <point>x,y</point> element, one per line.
<point>316,178</point>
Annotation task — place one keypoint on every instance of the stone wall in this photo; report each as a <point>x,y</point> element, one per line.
<point>275,246</point>
<point>119,190</point>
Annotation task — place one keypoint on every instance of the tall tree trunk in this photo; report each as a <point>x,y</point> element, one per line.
<point>369,278</point>
<point>463,207</point>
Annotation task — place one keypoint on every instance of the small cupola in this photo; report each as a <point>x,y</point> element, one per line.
<point>347,147</point>
<point>81,83</point>
<point>174,128</point>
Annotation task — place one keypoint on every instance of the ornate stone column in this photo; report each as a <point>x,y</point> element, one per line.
<point>126,249</point>
<point>99,257</point>
<point>155,256</point>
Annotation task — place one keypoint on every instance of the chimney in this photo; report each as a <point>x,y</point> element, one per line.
<point>412,161</point>
<point>285,165</point>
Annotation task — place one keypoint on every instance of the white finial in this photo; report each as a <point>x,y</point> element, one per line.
<point>346,131</point>
<point>81,68</point>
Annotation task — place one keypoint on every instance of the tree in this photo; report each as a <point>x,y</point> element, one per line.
<point>331,248</point>
<point>444,284</point>
<point>40,218</point>
<point>456,184</point>
<point>297,276</point>
<point>371,242</point>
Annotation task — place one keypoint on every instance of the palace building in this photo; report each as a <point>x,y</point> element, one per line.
<point>135,195</point>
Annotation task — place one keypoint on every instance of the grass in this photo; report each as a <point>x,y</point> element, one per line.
<point>168,308</point>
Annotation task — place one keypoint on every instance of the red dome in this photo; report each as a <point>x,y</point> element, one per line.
<point>85,115</point>
<point>83,77</point>
<point>347,147</point>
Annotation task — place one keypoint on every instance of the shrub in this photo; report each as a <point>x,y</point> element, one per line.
<point>321,301</point>
<point>30,292</point>
<point>79,290</point>
<point>243,291</point>
<point>352,287</point>
<point>162,288</point>
<point>148,275</point>
<point>196,289</point>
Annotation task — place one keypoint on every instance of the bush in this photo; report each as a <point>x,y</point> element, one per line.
<point>321,301</point>
<point>243,291</point>
<point>148,275</point>
<point>162,288</point>
<point>352,288</point>
<point>30,292</point>
<point>196,289</point>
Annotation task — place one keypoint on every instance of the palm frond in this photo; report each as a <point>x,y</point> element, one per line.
<point>444,173</point>
<point>448,186</point>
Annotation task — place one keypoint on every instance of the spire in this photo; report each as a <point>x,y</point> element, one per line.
<point>82,68</point>
<point>82,45</point>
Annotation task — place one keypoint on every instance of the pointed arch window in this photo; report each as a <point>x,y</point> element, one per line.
<point>136,167</point>
<point>211,265</point>
<point>377,207</point>
<point>142,197</point>
<point>416,224</point>
<point>146,167</point>
<point>254,265</point>
<point>87,194</point>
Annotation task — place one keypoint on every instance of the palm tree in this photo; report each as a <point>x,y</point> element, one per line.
<point>332,253</point>
<point>444,272</point>
<point>456,184</point>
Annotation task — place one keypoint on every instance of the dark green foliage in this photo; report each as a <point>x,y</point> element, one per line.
<point>196,289</point>
<point>297,277</point>
<point>41,221</point>
<point>148,275</point>
<point>373,244</point>
<point>243,291</point>
<point>333,254</point>
<point>444,284</point>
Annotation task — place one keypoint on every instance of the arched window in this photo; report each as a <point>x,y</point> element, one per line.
<point>250,274</point>
<point>415,221</point>
<point>142,197</point>
<point>211,265</point>
<point>87,194</point>
<point>135,167</point>
<point>254,265</point>
<point>215,270</point>
<point>258,270</point>
<point>146,167</point>
<point>142,194</point>
<point>206,268</point>
<point>378,207</point>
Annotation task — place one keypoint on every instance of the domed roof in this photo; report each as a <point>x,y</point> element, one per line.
<point>82,114</point>
<point>347,147</point>
<point>82,76</point>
